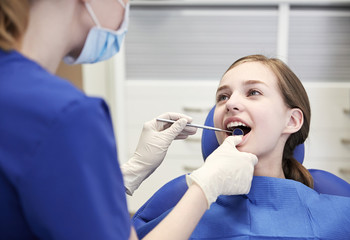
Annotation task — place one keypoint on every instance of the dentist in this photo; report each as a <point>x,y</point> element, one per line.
<point>59,173</point>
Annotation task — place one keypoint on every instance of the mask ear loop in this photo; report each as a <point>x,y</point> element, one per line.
<point>92,14</point>
<point>122,3</point>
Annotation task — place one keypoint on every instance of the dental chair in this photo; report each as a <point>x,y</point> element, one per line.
<point>168,195</point>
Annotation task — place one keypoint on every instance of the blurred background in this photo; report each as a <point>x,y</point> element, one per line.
<point>176,52</point>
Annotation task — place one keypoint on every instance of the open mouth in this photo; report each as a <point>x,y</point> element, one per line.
<point>238,128</point>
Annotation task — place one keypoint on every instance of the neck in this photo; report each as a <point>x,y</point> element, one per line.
<point>270,165</point>
<point>43,51</point>
<point>270,162</point>
<point>49,33</point>
<point>268,169</point>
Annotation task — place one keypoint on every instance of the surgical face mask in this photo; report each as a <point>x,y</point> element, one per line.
<point>101,43</point>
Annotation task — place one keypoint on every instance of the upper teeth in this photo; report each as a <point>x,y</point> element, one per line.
<point>235,124</point>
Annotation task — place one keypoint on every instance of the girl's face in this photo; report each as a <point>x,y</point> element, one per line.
<point>248,95</point>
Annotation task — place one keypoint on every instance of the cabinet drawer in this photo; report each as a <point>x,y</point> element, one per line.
<point>147,100</point>
<point>332,165</point>
<point>190,147</point>
<point>328,143</point>
<point>329,136</point>
<point>328,107</point>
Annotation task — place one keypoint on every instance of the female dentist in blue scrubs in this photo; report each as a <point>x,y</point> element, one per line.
<point>59,173</point>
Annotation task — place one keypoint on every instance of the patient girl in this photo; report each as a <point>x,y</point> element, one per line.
<point>265,99</point>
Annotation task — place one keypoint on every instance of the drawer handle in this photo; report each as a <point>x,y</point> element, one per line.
<point>345,141</point>
<point>196,110</point>
<point>345,171</point>
<point>347,111</point>
<point>189,168</point>
<point>193,140</point>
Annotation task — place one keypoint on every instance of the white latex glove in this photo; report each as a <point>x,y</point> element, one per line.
<point>153,144</point>
<point>226,171</point>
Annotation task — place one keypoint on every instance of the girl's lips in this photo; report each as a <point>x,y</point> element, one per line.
<point>233,119</point>
<point>244,139</point>
<point>236,123</point>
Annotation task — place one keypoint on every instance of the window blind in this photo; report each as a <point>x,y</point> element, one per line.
<point>195,43</point>
<point>319,45</point>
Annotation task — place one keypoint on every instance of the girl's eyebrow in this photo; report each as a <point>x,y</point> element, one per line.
<point>223,87</point>
<point>252,82</point>
<point>247,82</point>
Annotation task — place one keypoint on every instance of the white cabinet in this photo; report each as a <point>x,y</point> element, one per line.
<point>328,145</point>
<point>145,100</point>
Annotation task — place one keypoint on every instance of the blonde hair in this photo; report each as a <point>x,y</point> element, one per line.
<point>14,16</point>
<point>294,96</point>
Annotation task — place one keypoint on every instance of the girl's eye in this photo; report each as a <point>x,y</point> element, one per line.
<point>222,97</point>
<point>253,92</point>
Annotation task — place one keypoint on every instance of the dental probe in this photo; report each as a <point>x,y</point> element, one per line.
<point>237,131</point>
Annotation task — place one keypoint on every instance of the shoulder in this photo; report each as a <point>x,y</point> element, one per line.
<point>24,82</point>
<point>26,87</point>
<point>33,101</point>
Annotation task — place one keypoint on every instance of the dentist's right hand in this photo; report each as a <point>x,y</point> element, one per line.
<point>226,171</point>
<point>153,145</point>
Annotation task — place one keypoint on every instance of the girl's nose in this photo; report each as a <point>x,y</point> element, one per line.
<point>235,103</point>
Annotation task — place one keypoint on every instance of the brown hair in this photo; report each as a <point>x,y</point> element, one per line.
<point>14,16</point>
<point>294,96</point>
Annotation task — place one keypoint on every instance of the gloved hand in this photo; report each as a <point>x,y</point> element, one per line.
<point>153,144</point>
<point>226,171</point>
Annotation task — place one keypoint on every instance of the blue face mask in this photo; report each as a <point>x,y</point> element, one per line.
<point>101,43</point>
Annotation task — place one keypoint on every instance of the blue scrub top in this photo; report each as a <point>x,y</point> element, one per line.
<point>274,209</point>
<point>59,173</point>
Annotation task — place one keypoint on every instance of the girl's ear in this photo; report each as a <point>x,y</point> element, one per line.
<point>295,121</point>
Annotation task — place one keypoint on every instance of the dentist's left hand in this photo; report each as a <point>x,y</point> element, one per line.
<point>154,142</point>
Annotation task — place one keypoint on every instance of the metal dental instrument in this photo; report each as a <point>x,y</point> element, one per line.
<point>204,127</point>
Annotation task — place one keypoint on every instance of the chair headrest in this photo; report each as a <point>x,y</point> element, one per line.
<point>209,142</point>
